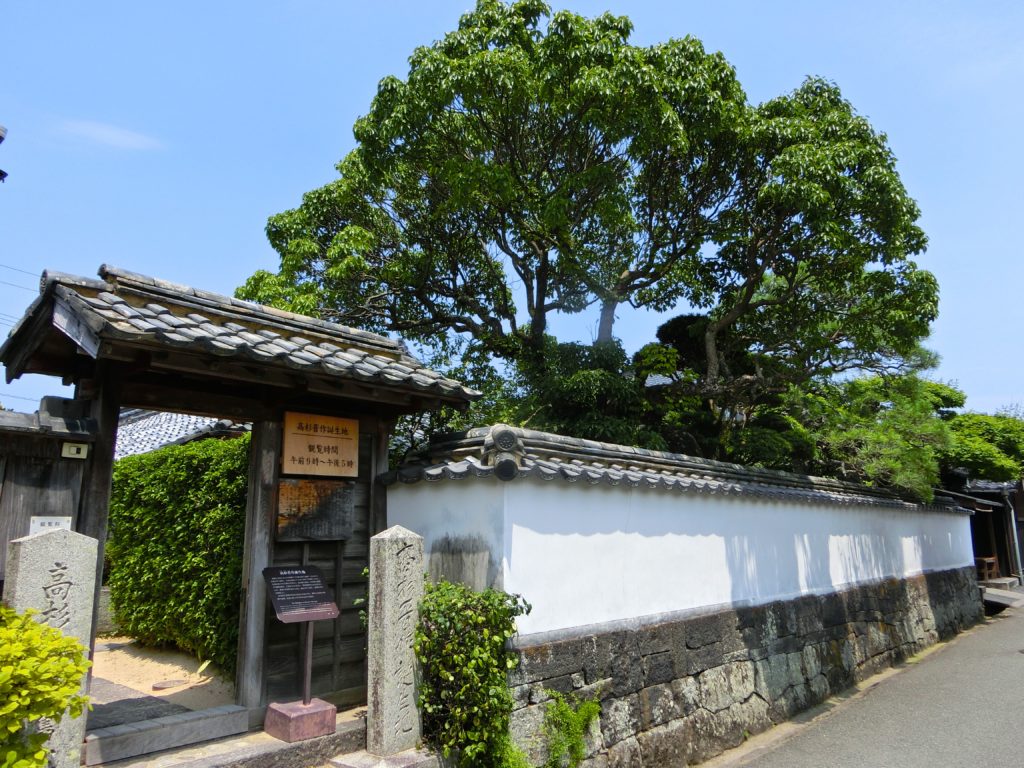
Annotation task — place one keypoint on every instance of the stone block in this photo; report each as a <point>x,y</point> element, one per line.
<point>526,727</point>
<point>711,628</point>
<point>658,705</point>
<point>54,573</point>
<point>396,587</point>
<point>295,721</point>
<point>412,758</point>
<point>620,719</point>
<point>771,677</point>
<point>752,715</point>
<point>686,691</point>
<point>625,754</point>
<point>661,638</point>
<point>671,744</point>
<point>714,689</point>
<point>550,660</point>
<point>658,668</point>
<point>697,660</point>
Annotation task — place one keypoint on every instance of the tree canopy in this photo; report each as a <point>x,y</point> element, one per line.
<point>989,447</point>
<point>534,163</point>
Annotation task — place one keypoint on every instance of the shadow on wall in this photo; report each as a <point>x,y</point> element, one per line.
<point>765,550</point>
<point>463,559</point>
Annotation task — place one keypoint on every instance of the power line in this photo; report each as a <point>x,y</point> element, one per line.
<point>23,271</point>
<point>15,285</point>
<point>18,397</point>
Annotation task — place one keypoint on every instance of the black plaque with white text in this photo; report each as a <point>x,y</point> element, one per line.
<point>299,593</point>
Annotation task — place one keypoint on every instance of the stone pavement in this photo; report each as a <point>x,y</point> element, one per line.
<point>958,704</point>
<point>113,704</point>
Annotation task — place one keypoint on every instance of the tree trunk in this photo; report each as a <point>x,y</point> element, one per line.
<point>604,327</point>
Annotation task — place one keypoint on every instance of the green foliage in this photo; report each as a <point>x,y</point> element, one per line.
<point>882,431</point>
<point>177,522</point>
<point>41,671</point>
<point>529,148</point>
<point>588,391</point>
<point>536,163</point>
<point>461,643</point>
<point>988,447</point>
<point>566,722</point>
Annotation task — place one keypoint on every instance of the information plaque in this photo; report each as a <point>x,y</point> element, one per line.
<point>299,593</point>
<point>315,510</point>
<point>327,446</point>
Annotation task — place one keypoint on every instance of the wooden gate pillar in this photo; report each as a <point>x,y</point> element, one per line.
<point>94,507</point>
<point>261,508</point>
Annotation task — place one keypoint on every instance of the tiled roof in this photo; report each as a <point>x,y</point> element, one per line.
<point>56,416</point>
<point>509,453</point>
<point>141,431</point>
<point>141,311</point>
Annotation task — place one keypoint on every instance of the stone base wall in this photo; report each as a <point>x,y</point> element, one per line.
<point>681,690</point>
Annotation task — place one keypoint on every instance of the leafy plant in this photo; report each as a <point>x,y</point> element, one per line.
<point>461,643</point>
<point>41,672</point>
<point>177,519</point>
<point>566,722</point>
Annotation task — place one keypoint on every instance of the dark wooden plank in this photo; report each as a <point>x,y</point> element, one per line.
<point>36,487</point>
<point>336,625</point>
<point>378,492</point>
<point>94,507</point>
<point>280,634</point>
<point>261,505</point>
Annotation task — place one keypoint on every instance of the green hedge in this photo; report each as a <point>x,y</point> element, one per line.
<point>177,522</point>
<point>41,672</point>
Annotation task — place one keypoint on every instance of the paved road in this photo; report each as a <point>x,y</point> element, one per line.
<point>962,705</point>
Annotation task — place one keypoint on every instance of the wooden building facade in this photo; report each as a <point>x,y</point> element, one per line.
<point>130,341</point>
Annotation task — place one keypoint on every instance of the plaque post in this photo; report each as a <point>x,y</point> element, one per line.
<point>300,594</point>
<point>307,672</point>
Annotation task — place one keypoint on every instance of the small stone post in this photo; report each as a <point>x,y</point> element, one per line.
<point>55,573</point>
<point>396,587</point>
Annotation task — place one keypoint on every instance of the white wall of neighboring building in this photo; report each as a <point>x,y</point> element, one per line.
<point>587,554</point>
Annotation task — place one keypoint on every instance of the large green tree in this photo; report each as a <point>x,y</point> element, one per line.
<point>529,164</point>
<point>534,163</point>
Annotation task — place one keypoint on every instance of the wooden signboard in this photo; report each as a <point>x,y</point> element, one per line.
<point>299,593</point>
<point>315,510</point>
<point>326,446</point>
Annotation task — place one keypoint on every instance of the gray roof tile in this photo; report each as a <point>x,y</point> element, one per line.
<point>546,456</point>
<point>141,431</point>
<point>147,312</point>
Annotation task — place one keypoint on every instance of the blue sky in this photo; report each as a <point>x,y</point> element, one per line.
<point>159,137</point>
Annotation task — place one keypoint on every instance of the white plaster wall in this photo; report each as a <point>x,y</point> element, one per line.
<point>469,514</point>
<point>586,554</point>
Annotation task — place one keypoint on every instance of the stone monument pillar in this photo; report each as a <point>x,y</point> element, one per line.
<point>396,588</point>
<point>55,573</point>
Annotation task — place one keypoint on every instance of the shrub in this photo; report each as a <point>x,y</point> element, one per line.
<point>461,643</point>
<point>177,522</point>
<point>566,722</point>
<point>41,672</point>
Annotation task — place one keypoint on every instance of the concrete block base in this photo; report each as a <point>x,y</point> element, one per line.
<point>295,721</point>
<point>412,758</point>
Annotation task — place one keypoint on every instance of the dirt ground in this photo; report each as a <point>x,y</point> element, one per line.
<point>120,660</point>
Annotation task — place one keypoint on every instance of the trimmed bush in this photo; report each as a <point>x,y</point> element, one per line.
<point>462,644</point>
<point>177,524</point>
<point>41,672</point>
